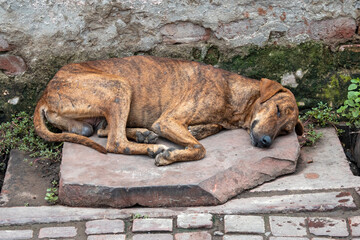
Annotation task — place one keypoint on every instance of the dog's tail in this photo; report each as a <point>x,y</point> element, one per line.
<point>43,132</point>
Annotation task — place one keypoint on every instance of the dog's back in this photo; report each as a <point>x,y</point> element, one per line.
<point>159,85</point>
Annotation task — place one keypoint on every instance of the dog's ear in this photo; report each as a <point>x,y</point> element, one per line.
<point>299,128</point>
<point>269,88</point>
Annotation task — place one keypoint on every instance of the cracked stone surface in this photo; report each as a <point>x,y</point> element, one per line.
<point>231,165</point>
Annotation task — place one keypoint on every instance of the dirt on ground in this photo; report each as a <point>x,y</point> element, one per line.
<point>3,163</point>
<point>27,180</point>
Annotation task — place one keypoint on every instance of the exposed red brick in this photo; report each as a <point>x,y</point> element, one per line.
<point>12,65</point>
<point>332,29</point>
<point>328,30</point>
<point>261,11</point>
<point>184,32</point>
<point>235,29</point>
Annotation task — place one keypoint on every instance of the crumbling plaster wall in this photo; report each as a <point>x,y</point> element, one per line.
<point>37,37</point>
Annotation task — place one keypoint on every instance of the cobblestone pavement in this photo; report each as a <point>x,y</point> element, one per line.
<point>320,201</point>
<point>109,224</point>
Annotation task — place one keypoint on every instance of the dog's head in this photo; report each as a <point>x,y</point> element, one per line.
<point>275,113</point>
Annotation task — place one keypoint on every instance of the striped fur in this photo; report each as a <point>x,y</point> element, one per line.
<point>169,97</point>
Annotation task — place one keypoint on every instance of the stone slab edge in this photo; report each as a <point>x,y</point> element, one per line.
<point>248,177</point>
<point>213,191</point>
<point>77,195</point>
<point>210,192</point>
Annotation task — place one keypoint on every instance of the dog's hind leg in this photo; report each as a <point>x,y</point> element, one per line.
<point>116,118</point>
<point>69,125</point>
<point>179,134</point>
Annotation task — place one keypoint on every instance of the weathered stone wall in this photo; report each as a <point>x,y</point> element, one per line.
<point>293,41</point>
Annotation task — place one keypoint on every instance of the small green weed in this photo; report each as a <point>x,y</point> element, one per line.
<point>19,133</point>
<point>351,108</point>
<point>322,115</point>
<point>51,195</point>
<point>311,136</point>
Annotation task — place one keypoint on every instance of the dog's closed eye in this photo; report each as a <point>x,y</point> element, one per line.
<point>278,111</point>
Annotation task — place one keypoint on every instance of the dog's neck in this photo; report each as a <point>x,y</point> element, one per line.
<point>243,94</point>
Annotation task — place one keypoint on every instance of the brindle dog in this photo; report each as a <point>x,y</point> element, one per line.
<point>179,100</point>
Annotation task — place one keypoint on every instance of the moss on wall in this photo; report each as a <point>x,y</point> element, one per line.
<point>324,74</point>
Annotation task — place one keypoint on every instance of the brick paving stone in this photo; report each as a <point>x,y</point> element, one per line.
<point>354,223</point>
<point>288,226</point>
<point>242,237</point>
<point>288,238</point>
<point>57,232</point>
<point>194,220</point>
<point>56,214</point>
<point>193,236</point>
<point>107,237</point>
<point>323,226</point>
<point>105,226</point>
<point>244,224</point>
<point>152,224</point>
<point>152,237</point>
<point>16,234</point>
<point>328,239</point>
<point>324,201</point>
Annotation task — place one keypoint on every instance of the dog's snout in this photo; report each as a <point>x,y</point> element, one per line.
<point>262,142</point>
<point>265,141</point>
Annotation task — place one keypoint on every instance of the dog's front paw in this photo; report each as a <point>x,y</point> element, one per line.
<point>163,158</point>
<point>146,137</point>
<point>156,150</point>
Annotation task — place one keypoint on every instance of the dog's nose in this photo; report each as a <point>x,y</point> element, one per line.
<point>265,141</point>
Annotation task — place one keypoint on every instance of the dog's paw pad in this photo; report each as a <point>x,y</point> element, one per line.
<point>163,158</point>
<point>160,150</point>
<point>146,137</point>
<point>160,160</point>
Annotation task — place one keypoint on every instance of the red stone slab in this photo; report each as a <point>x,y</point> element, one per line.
<point>231,165</point>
